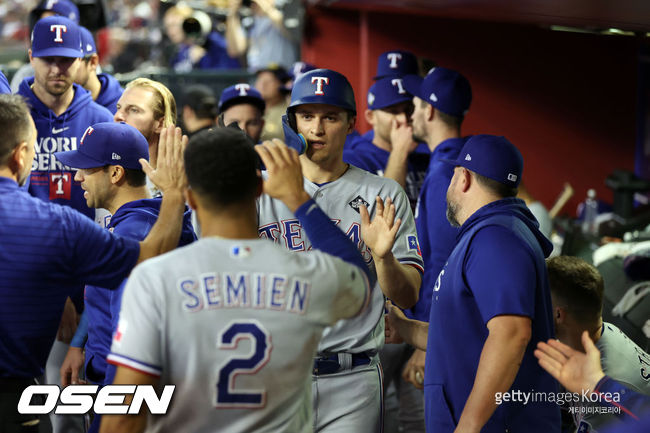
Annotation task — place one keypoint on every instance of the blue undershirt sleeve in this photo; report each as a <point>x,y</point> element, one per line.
<point>325,236</point>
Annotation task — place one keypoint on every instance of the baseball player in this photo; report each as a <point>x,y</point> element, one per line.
<point>346,384</point>
<point>4,84</point>
<point>234,320</point>
<point>243,105</point>
<point>104,88</point>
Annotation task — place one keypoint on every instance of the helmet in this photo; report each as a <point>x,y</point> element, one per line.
<point>323,86</point>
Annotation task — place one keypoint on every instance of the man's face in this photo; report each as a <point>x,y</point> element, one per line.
<point>452,203</point>
<point>96,184</point>
<point>383,118</point>
<point>83,73</point>
<point>29,156</point>
<point>248,118</point>
<point>325,127</point>
<point>55,74</point>
<point>267,85</point>
<point>418,119</point>
<point>134,108</point>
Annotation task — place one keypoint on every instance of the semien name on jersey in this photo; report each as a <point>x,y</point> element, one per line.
<point>244,290</point>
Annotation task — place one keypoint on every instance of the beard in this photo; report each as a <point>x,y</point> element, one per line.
<point>56,89</point>
<point>452,213</point>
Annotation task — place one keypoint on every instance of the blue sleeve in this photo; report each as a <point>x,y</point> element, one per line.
<point>352,157</point>
<point>325,236</point>
<point>631,403</point>
<point>500,273</point>
<point>98,257</point>
<point>4,84</point>
<point>81,335</point>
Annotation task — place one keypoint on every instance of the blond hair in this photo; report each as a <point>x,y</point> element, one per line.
<point>164,105</point>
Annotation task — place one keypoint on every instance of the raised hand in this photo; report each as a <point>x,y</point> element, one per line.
<point>285,181</point>
<point>576,371</point>
<point>379,234</point>
<point>169,174</point>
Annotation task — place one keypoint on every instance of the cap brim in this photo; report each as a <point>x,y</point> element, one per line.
<point>392,102</point>
<point>259,103</point>
<point>57,51</point>
<point>76,159</point>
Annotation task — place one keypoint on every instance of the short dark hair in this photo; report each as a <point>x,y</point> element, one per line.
<point>221,166</point>
<point>578,285</point>
<point>448,119</point>
<point>500,189</point>
<point>14,124</point>
<point>135,178</point>
<point>202,101</point>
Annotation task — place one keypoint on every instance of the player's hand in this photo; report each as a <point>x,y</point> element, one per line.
<point>401,136</point>
<point>414,370</point>
<point>285,181</point>
<point>575,370</point>
<point>169,174</point>
<point>391,318</point>
<point>69,322</point>
<point>379,234</point>
<point>72,365</point>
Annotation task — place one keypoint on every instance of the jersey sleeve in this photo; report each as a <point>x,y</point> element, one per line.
<point>98,257</point>
<point>407,247</point>
<point>136,341</point>
<point>501,274</point>
<point>341,290</point>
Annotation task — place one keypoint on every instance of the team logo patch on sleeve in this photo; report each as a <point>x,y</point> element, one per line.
<point>357,202</point>
<point>413,244</point>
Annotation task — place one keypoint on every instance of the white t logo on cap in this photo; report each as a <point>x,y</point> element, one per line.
<point>319,84</point>
<point>398,82</point>
<point>58,29</point>
<point>393,57</point>
<point>243,89</point>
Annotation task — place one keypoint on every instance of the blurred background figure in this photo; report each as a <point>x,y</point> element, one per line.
<point>538,209</point>
<point>199,109</point>
<point>271,82</point>
<point>243,105</point>
<point>266,41</point>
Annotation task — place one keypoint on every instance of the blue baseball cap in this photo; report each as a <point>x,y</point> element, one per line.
<point>87,42</point>
<point>396,63</point>
<point>64,8</point>
<point>107,143</point>
<point>241,93</point>
<point>445,89</point>
<point>491,156</point>
<point>56,36</point>
<point>323,86</point>
<point>386,92</point>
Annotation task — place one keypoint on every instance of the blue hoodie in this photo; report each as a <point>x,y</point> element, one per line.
<point>50,180</point>
<point>132,220</point>
<point>497,268</point>
<point>4,84</point>
<point>110,93</point>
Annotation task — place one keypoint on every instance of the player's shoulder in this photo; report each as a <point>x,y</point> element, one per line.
<point>365,179</point>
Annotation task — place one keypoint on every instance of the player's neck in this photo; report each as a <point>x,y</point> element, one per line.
<point>232,222</point>
<point>153,151</point>
<point>57,103</point>
<point>126,194</point>
<point>6,172</point>
<point>94,86</point>
<point>322,172</point>
<point>439,134</point>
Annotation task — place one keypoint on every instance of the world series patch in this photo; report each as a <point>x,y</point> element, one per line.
<point>357,202</point>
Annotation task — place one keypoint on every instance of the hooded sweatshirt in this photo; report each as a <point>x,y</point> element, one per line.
<point>50,180</point>
<point>132,220</point>
<point>497,268</point>
<point>4,84</point>
<point>110,92</point>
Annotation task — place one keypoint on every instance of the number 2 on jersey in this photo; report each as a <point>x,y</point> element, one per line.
<point>251,363</point>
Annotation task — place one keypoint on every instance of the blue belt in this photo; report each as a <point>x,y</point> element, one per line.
<point>339,362</point>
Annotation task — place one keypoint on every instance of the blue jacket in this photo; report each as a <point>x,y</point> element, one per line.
<point>132,220</point>
<point>216,56</point>
<point>4,84</point>
<point>369,157</point>
<point>496,268</point>
<point>436,236</point>
<point>50,180</point>
<point>110,93</point>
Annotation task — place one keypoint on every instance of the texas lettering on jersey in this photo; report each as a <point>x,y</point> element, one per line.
<point>290,232</point>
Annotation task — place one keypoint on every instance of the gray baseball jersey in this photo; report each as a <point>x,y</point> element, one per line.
<point>622,360</point>
<point>340,200</point>
<point>234,324</point>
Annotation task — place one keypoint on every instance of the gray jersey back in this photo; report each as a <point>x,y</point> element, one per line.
<point>622,360</point>
<point>235,326</point>
<point>340,200</point>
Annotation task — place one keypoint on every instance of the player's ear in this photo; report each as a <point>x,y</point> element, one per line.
<point>370,116</point>
<point>466,179</point>
<point>559,315</point>
<point>18,158</point>
<point>429,112</point>
<point>189,198</point>
<point>94,62</point>
<point>29,53</point>
<point>352,120</point>
<point>116,173</point>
